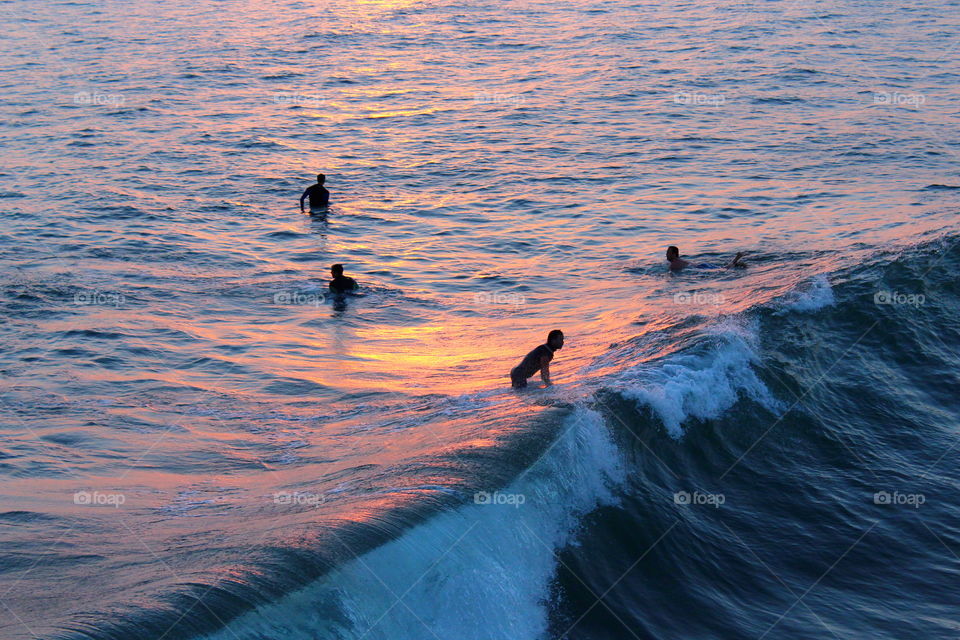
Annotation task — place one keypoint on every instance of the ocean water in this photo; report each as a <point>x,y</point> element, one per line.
<point>197,442</point>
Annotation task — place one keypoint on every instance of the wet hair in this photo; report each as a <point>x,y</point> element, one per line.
<point>672,249</point>
<point>336,269</point>
<point>321,178</point>
<point>556,333</point>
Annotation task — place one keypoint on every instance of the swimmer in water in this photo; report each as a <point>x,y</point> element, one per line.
<point>677,263</point>
<point>537,360</point>
<point>340,282</point>
<point>318,194</point>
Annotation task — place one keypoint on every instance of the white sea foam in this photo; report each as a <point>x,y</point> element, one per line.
<point>815,295</point>
<point>702,383</point>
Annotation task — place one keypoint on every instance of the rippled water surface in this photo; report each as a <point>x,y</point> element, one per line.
<point>497,170</point>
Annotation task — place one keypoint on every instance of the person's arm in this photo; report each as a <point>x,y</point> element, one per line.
<point>304,197</point>
<point>736,261</point>
<point>545,371</point>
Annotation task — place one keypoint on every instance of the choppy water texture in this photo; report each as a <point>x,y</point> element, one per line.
<point>198,442</point>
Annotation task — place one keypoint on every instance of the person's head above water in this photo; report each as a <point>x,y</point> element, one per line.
<point>336,270</point>
<point>555,339</point>
<point>321,178</point>
<point>672,253</point>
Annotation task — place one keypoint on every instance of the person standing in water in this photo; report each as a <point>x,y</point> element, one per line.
<point>677,263</point>
<point>537,360</point>
<point>340,282</point>
<point>318,194</point>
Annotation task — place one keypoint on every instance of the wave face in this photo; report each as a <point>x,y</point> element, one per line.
<point>480,571</point>
<point>197,439</point>
<point>803,517</point>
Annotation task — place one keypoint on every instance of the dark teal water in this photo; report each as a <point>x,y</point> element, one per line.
<point>838,516</point>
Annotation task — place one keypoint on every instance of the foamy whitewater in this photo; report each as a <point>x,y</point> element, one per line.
<point>199,441</point>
